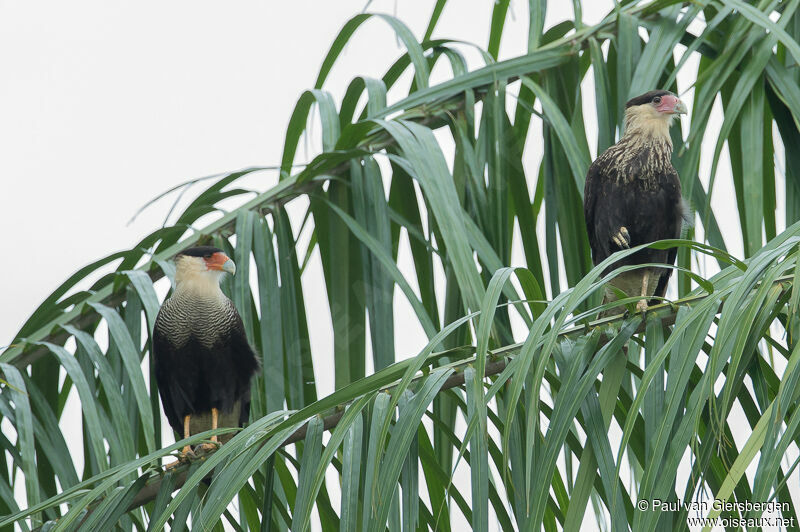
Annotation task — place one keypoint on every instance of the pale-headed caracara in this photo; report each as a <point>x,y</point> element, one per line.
<point>203,361</point>
<point>632,196</point>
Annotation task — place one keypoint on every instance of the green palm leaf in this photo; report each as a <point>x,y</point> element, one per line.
<point>438,196</point>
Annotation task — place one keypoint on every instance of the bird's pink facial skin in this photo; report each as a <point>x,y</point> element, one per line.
<point>668,104</point>
<point>216,261</point>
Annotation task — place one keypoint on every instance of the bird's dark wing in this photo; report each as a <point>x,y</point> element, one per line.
<point>244,363</point>
<point>225,361</point>
<point>601,210</point>
<point>669,205</point>
<point>177,377</point>
<point>663,278</point>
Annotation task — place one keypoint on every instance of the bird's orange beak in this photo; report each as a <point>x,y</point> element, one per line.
<point>221,262</point>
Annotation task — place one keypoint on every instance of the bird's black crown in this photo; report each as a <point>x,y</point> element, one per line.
<point>200,251</point>
<point>647,97</point>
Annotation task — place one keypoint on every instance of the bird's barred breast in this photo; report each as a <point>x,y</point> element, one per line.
<point>201,318</point>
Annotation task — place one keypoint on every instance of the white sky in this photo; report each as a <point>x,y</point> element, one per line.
<point>104,105</point>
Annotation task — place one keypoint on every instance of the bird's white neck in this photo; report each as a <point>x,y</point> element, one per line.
<point>203,284</point>
<point>648,126</point>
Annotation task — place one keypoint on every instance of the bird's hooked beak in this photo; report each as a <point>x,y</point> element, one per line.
<point>671,105</point>
<point>221,262</point>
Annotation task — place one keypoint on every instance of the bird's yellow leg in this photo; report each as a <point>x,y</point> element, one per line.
<point>186,433</point>
<point>206,447</point>
<point>186,452</point>
<point>641,306</point>
<point>214,422</point>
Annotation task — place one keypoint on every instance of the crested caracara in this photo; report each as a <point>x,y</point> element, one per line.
<point>632,196</point>
<point>203,362</point>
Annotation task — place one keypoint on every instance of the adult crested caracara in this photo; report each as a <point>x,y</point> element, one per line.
<point>633,196</point>
<point>203,362</point>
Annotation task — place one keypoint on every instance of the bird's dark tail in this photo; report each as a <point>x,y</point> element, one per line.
<point>661,289</point>
<point>687,217</point>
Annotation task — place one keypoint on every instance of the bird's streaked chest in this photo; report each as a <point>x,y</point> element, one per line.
<point>644,165</point>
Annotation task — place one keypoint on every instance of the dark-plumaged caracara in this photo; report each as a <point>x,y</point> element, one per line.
<point>633,196</point>
<point>203,361</point>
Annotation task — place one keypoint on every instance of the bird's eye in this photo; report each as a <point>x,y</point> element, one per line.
<point>657,100</point>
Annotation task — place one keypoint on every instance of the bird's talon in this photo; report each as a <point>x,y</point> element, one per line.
<point>205,448</point>
<point>184,456</point>
<point>173,465</point>
<point>641,306</point>
<point>622,239</point>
